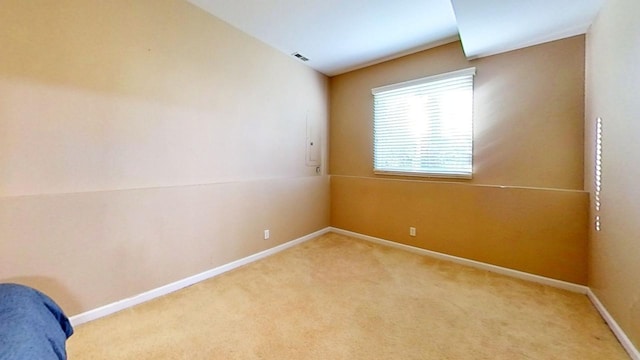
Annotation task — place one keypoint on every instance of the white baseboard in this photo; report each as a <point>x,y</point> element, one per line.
<point>472,263</point>
<point>169,288</point>
<point>617,330</point>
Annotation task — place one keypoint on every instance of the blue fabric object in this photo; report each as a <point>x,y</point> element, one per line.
<point>32,326</point>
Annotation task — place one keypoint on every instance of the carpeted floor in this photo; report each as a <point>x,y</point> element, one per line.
<point>335,297</point>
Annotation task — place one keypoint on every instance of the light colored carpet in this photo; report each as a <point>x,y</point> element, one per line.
<point>335,297</point>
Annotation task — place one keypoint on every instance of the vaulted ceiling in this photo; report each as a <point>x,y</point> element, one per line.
<point>338,36</point>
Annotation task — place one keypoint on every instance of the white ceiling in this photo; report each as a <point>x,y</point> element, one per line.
<point>342,35</point>
<point>493,26</point>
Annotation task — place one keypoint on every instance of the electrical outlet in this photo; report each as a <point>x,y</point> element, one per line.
<point>266,234</point>
<point>412,231</point>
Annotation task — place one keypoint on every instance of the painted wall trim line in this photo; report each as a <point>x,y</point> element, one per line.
<point>159,187</point>
<point>431,180</point>
<point>617,330</point>
<point>180,284</point>
<point>581,289</point>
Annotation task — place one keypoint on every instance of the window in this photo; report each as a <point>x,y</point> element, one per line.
<point>424,127</point>
<point>598,173</point>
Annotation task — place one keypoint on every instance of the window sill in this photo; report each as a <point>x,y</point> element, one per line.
<point>424,175</point>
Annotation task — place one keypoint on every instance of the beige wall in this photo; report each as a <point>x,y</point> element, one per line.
<point>613,85</point>
<point>528,113</point>
<point>538,231</point>
<point>528,162</point>
<point>145,141</point>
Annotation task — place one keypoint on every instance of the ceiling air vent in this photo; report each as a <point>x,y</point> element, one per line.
<point>300,56</point>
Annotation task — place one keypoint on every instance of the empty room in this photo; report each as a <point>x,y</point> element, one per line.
<point>307,179</point>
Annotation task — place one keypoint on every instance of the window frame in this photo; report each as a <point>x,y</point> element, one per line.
<point>417,82</point>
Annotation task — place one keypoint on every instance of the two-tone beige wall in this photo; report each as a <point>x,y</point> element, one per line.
<point>524,208</point>
<point>145,141</point>
<point>613,85</point>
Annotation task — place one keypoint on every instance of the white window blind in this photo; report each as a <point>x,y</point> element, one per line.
<point>424,127</point>
<point>598,173</point>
